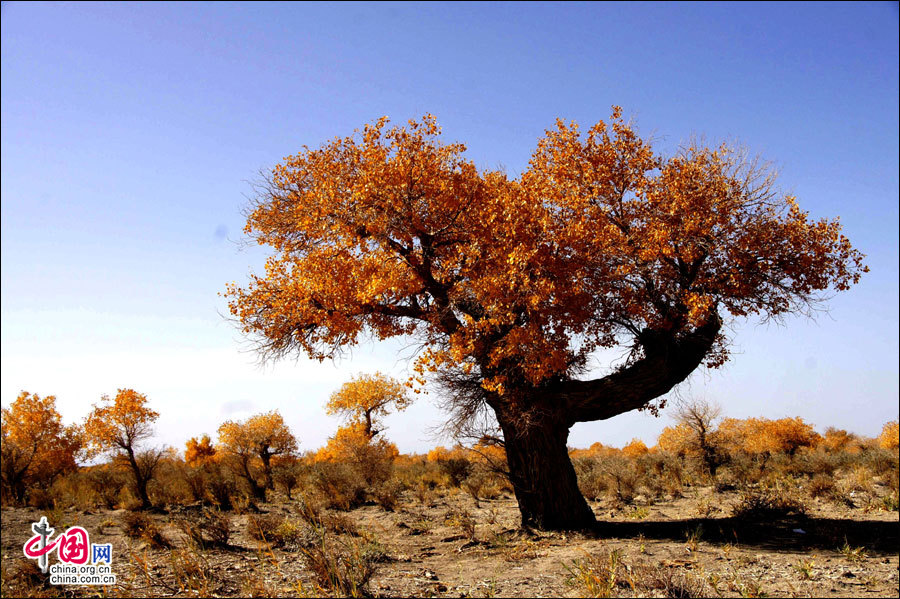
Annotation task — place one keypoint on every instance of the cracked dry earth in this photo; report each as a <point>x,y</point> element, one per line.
<point>689,543</point>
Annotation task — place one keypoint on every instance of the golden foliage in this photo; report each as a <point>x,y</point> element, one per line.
<point>764,436</point>
<point>678,439</point>
<point>635,448</point>
<point>393,232</point>
<point>367,398</point>
<point>596,450</point>
<point>119,423</point>
<point>36,445</point>
<point>351,443</point>
<point>260,435</point>
<point>836,440</point>
<point>199,452</point>
<point>252,444</point>
<point>890,436</point>
<point>442,454</point>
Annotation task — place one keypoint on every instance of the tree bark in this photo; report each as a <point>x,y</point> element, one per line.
<point>258,491</point>
<point>139,480</point>
<point>542,475</point>
<point>266,458</point>
<point>668,360</point>
<point>536,422</point>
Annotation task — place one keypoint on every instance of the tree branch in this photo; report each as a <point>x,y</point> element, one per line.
<point>667,362</point>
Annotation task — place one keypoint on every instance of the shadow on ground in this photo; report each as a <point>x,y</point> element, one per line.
<point>778,535</point>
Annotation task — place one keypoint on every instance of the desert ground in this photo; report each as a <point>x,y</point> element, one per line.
<point>446,545</point>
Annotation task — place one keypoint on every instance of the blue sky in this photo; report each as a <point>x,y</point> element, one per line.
<point>131,134</point>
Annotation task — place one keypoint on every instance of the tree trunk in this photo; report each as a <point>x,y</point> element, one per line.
<point>267,469</point>
<point>139,482</point>
<point>542,475</point>
<point>259,492</point>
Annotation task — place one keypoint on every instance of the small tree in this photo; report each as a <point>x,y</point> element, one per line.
<point>367,399</point>
<point>260,438</point>
<point>36,446</point>
<point>700,418</point>
<point>118,427</point>
<point>363,401</point>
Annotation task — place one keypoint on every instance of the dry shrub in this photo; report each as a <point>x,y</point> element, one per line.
<point>287,475</point>
<point>767,504</point>
<point>107,483</point>
<point>313,514</point>
<point>41,499</point>
<point>193,572</point>
<point>662,474</point>
<point>483,484</point>
<point>170,488</point>
<point>860,480</point>
<point>821,485</point>
<point>409,470</point>
<point>623,478</point>
<point>194,478</point>
<point>309,508</point>
<point>24,579</point>
<point>659,581</point>
<point>881,462</point>
<point>262,527</point>
<point>456,469</point>
<point>388,494</point>
<point>462,519</point>
<point>341,524</point>
<point>600,575</point>
<point>211,528</point>
<point>244,504</point>
<point>74,490</point>
<point>591,481</point>
<point>893,481</point>
<point>424,492</point>
<point>431,479</point>
<point>597,575</point>
<point>815,463</point>
<point>221,488</point>
<point>744,470</point>
<point>287,533</point>
<point>137,525</point>
<point>340,484</point>
<point>343,569</point>
<point>612,475</point>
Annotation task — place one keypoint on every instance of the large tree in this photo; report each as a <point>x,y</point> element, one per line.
<point>510,285</point>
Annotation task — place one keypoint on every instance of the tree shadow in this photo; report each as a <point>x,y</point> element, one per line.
<point>782,535</point>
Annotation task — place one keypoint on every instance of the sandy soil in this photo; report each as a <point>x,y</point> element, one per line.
<point>834,550</point>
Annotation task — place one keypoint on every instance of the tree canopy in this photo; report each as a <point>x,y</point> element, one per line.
<point>37,447</point>
<point>368,398</point>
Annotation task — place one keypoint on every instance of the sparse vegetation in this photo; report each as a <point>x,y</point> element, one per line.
<point>330,519</point>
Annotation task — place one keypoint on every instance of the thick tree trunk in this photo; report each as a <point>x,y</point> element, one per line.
<point>543,477</point>
<point>536,421</point>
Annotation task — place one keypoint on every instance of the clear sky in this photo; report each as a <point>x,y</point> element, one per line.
<point>131,134</point>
